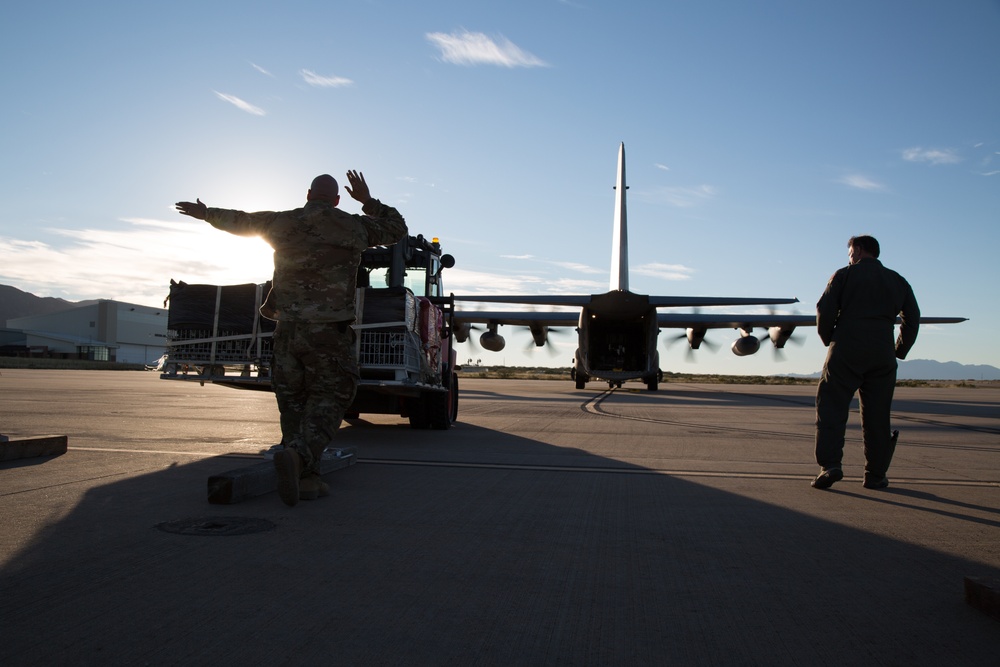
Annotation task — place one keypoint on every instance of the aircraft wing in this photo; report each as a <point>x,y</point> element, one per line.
<point>698,301</point>
<point>531,299</point>
<point>759,321</point>
<point>732,320</point>
<point>518,318</point>
<point>580,300</point>
<point>665,320</point>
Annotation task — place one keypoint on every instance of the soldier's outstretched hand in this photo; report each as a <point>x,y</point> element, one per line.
<point>358,188</point>
<point>194,209</point>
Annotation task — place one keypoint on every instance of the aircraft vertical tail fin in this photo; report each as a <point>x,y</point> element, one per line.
<point>619,241</point>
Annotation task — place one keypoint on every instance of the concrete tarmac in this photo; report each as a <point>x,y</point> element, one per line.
<point>551,526</point>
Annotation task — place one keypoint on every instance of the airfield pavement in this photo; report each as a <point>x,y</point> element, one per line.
<point>551,526</point>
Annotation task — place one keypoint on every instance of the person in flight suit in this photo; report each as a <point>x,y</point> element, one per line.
<point>855,317</point>
<point>317,251</point>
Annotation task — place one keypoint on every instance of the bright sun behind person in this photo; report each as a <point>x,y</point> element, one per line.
<point>210,256</point>
<point>235,260</point>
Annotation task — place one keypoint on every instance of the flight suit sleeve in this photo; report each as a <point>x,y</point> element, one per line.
<point>828,307</point>
<point>385,225</point>
<point>910,316</point>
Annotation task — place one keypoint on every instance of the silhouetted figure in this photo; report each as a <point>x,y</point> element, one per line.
<point>855,317</point>
<point>317,251</point>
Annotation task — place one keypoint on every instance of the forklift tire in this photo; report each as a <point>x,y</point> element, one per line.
<point>416,410</point>
<point>442,408</point>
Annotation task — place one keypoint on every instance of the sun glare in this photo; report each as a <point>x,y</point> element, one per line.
<point>234,260</point>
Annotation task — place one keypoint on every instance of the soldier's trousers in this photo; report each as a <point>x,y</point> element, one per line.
<point>315,379</point>
<point>872,375</point>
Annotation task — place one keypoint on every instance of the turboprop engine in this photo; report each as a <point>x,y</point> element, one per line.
<point>780,335</point>
<point>540,335</point>
<point>461,332</point>
<point>695,337</point>
<point>746,345</point>
<point>492,341</point>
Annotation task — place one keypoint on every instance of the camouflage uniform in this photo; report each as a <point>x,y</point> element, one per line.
<point>855,317</point>
<point>317,249</point>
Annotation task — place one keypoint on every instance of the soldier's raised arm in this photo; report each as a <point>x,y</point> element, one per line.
<point>194,209</point>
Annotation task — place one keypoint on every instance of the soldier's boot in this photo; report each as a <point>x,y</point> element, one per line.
<point>312,487</point>
<point>288,465</point>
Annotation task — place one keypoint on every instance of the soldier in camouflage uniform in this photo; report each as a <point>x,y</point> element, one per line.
<point>855,317</point>
<point>317,250</point>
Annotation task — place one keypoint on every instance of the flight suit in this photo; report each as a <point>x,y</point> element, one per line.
<point>317,250</point>
<point>855,317</point>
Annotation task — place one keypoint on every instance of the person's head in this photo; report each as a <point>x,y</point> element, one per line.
<point>324,188</point>
<point>861,247</point>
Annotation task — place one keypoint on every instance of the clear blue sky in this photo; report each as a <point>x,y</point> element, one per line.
<point>760,137</point>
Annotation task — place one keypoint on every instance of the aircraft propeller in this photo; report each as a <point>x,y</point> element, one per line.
<point>695,339</point>
<point>542,337</point>
<point>780,337</point>
<point>463,333</point>
<point>748,343</point>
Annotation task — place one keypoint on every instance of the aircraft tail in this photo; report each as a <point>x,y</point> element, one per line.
<point>619,241</point>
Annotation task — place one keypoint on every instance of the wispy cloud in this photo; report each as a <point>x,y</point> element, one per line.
<point>314,79</point>
<point>413,180</point>
<point>860,182</point>
<point>569,266</point>
<point>563,285</point>
<point>134,263</point>
<point>931,156</point>
<point>464,281</point>
<point>476,48</point>
<point>241,104</point>
<point>681,197</point>
<point>664,271</point>
<point>576,266</point>
<point>661,166</point>
<point>261,70</point>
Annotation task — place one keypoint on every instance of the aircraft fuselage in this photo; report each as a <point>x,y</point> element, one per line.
<point>618,334</point>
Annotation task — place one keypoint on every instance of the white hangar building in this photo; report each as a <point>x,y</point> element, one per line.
<point>104,330</point>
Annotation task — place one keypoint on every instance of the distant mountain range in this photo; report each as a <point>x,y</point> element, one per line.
<point>928,369</point>
<point>14,303</point>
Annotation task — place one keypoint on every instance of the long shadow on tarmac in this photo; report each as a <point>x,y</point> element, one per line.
<point>472,564</point>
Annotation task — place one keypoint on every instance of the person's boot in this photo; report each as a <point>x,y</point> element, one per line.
<point>828,477</point>
<point>875,481</point>
<point>312,487</point>
<point>288,465</point>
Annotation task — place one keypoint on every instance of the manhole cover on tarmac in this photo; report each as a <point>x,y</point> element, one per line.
<point>216,525</point>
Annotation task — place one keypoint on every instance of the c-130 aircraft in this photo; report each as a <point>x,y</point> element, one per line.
<point>618,330</point>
